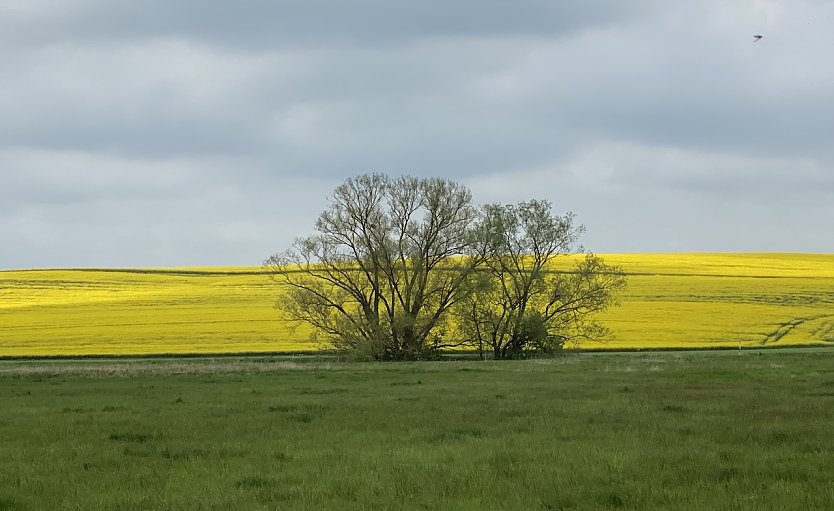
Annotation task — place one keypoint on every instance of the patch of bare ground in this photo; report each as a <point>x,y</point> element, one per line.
<point>104,369</point>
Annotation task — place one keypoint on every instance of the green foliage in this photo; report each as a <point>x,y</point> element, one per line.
<point>522,303</point>
<point>388,260</point>
<point>537,337</point>
<point>391,259</point>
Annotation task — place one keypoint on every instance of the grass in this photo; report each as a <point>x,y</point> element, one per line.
<point>673,300</point>
<point>677,431</point>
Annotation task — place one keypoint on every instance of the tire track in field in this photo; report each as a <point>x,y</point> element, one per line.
<point>786,328</point>
<point>825,332</point>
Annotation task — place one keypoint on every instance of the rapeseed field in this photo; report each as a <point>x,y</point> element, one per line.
<point>672,301</point>
<point>726,300</point>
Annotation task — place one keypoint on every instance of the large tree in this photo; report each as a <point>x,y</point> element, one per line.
<point>388,260</point>
<point>399,268</point>
<point>525,302</point>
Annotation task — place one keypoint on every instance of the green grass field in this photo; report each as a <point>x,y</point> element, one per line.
<point>672,301</point>
<point>674,431</point>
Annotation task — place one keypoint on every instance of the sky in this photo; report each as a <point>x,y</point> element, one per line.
<point>208,132</point>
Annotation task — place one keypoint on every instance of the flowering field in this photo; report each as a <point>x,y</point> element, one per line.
<point>205,310</point>
<point>702,300</point>
<point>672,300</point>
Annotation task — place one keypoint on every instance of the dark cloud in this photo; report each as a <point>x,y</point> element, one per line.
<point>263,24</point>
<point>160,133</point>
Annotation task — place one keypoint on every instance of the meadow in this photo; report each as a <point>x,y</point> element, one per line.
<point>662,430</point>
<point>672,301</point>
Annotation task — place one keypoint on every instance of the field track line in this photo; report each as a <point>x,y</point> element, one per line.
<point>786,328</point>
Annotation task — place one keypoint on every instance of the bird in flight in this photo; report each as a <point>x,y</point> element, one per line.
<point>757,37</point>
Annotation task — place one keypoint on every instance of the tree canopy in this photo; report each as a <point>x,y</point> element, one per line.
<point>529,303</point>
<point>399,268</point>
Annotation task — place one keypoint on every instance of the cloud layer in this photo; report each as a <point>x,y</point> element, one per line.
<point>179,133</point>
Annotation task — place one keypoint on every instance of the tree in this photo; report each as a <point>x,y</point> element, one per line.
<point>389,259</point>
<point>396,265</point>
<point>522,302</point>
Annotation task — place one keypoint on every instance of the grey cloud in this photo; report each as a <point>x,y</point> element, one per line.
<point>161,98</point>
<point>680,87</point>
<point>156,133</point>
<point>154,218</point>
<point>264,24</point>
<point>174,98</point>
<point>365,109</point>
<point>60,178</point>
<point>626,211</point>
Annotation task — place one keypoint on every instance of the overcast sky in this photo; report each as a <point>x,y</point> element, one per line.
<point>208,132</point>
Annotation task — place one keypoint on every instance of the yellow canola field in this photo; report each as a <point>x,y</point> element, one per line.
<point>704,300</point>
<point>193,310</point>
<point>672,301</point>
